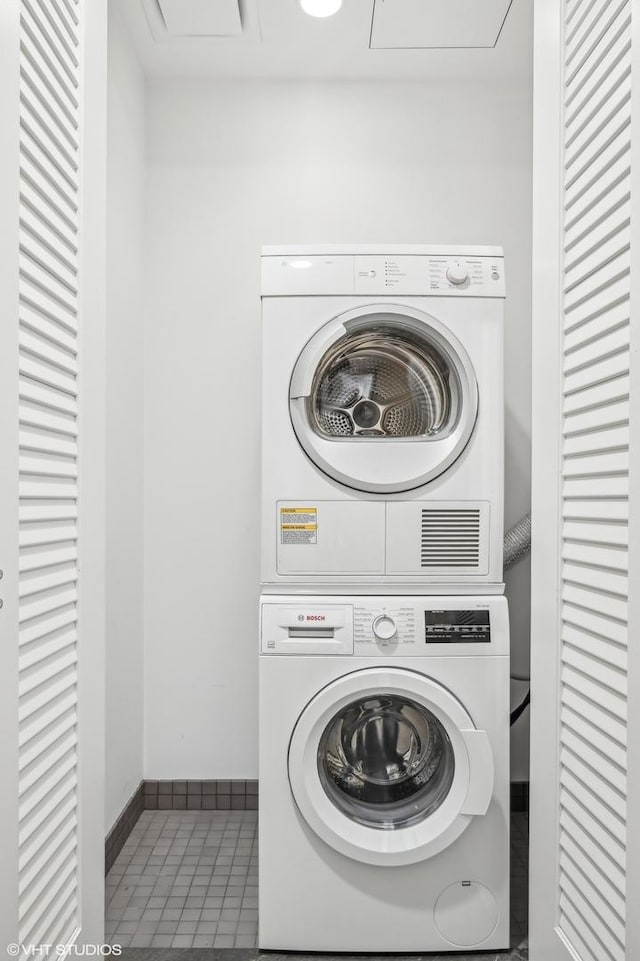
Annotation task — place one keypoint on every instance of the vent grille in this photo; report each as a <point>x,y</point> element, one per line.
<point>48,437</point>
<point>595,480</point>
<point>450,538</point>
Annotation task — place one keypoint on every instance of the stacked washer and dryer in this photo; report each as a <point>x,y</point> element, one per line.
<point>384,636</point>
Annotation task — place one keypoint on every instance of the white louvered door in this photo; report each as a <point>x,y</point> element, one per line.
<point>584,376</point>
<point>48,471</point>
<point>52,318</point>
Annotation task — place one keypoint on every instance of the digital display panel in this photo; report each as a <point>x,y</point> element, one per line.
<point>457,627</point>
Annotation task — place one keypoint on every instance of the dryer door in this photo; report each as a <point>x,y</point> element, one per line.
<point>386,766</point>
<point>383,398</point>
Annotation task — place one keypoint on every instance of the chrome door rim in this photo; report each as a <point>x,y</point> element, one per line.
<point>361,460</point>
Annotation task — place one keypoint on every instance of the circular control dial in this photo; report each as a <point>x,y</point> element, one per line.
<point>384,627</point>
<point>457,274</point>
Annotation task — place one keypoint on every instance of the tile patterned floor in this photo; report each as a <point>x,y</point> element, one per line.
<point>190,880</point>
<point>186,879</point>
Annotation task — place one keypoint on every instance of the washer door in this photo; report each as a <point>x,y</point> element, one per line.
<point>383,399</point>
<point>386,766</point>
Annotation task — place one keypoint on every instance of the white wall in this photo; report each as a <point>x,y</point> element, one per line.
<point>232,166</point>
<point>125,245</point>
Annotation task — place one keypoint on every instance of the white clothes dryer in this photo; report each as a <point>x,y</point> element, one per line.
<point>382,440</point>
<point>384,774</point>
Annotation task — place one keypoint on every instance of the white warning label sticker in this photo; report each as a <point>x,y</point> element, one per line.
<point>299,525</point>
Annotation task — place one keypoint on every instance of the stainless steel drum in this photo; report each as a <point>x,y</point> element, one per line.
<point>383,383</point>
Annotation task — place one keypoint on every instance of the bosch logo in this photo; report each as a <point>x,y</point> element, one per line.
<point>316,617</point>
<point>301,617</point>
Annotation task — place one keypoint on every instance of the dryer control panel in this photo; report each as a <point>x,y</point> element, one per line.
<point>441,272</point>
<point>448,275</point>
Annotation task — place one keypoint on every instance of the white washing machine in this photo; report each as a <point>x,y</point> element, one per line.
<point>382,460</point>
<point>384,773</point>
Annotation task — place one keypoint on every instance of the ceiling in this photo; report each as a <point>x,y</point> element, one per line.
<point>279,40</point>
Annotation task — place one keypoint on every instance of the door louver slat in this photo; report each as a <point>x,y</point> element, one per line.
<point>39,29</point>
<point>48,438</point>
<point>599,211</point>
<point>586,834</point>
<point>591,344</point>
<point>607,119</point>
<point>599,40</point>
<point>37,198</point>
<point>589,732</point>
<point>613,65</point>
<point>612,905</point>
<point>45,103</point>
<point>589,183</point>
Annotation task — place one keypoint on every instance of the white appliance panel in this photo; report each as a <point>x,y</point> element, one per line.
<point>299,274</point>
<point>340,537</point>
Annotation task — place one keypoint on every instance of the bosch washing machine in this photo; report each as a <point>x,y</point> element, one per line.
<point>384,773</point>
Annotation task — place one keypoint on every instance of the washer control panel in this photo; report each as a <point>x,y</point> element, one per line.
<point>386,627</point>
<point>374,626</point>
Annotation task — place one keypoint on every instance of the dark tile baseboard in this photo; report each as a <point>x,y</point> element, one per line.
<point>123,827</point>
<point>520,796</point>
<point>201,795</point>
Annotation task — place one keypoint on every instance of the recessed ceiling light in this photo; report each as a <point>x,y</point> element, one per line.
<point>321,8</point>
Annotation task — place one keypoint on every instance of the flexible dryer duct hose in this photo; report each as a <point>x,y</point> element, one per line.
<point>517,542</point>
<point>516,546</point>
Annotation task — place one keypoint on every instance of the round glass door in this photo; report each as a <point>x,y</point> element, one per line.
<point>386,761</point>
<point>383,399</point>
<point>386,766</point>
